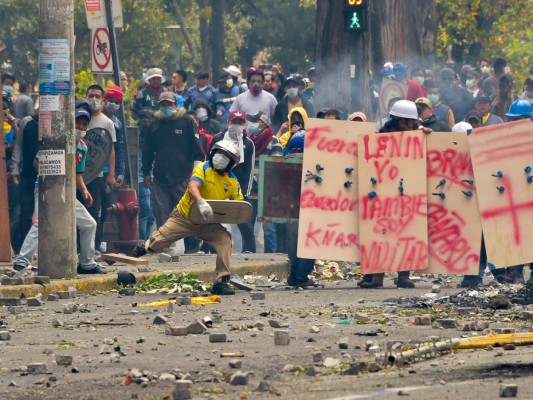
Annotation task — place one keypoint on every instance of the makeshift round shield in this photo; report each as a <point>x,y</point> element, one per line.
<point>99,143</point>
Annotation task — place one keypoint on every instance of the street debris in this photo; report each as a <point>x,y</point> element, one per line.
<point>169,282</point>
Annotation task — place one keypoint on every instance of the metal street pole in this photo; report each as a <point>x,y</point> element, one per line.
<point>116,78</point>
<point>57,220</point>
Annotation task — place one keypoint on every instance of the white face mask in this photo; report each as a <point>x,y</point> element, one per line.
<point>96,104</point>
<point>229,83</point>
<point>469,83</point>
<point>419,79</point>
<point>507,70</point>
<point>79,134</point>
<point>201,114</point>
<point>235,132</point>
<point>292,93</point>
<point>220,161</point>
<point>485,70</point>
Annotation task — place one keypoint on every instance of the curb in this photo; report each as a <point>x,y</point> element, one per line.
<point>109,282</point>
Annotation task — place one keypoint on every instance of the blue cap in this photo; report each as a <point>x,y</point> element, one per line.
<point>81,112</point>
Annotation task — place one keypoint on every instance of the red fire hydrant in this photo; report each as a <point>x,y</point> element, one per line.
<point>126,210</point>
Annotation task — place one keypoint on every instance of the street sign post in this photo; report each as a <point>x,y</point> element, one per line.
<point>95,10</point>
<point>101,50</point>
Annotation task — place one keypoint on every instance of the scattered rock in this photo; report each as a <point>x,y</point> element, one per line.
<point>435,289</point>
<point>34,302</point>
<point>235,363</point>
<point>312,371</point>
<point>5,335</point>
<point>274,324</point>
<point>114,358</point>
<point>12,384</point>
<point>184,300</point>
<point>160,320</point>
<point>263,387</point>
<point>63,295</point>
<point>504,330</point>
<point>218,338</point>
<point>314,329</point>
<point>258,325</point>
<point>527,315</point>
<point>331,362</point>
<point>167,377</point>
<point>182,390</point>
<point>177,331</point>
<point>508,390</point>
<point>509,347</point>
<point>240,378</point>
<point>70,308</point>
<point>9,302</point>
<point>56,323</point>
<point>424,319</point>
<point>64,361</point>
<point>499,302</point>
<point>343,343</point>
<point>16,310</point>
<point>360,317</point>
<point>52,297</point>
<point>374,367</point>
<point>37,368</point>
<point>447,323</point>
<point>8,281</point>
<point>127,291</point>
<point>355,369</point>
<point>167,258</point>
<point>281,338</point>
<point>258,295</point>
<point>318,357</point>
<point>196,328</point>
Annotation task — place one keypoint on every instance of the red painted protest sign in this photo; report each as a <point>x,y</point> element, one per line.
<point>328,225</point>
<point>393,202</point>
<point>454,227</point>
<point>502,160</point>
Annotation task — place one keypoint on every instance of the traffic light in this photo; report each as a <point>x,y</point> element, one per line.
<point>356,15</point>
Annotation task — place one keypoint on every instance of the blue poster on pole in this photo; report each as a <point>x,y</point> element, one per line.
<point>54,67</point>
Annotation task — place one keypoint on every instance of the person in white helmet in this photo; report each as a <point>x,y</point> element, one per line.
<point>210,180</point>
<point>403,117</point>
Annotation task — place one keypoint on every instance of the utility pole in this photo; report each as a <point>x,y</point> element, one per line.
<point>57,221</point>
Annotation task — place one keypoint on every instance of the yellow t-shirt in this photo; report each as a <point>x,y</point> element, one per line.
<point>214,186</point>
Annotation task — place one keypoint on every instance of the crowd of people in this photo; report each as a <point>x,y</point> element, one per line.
<point>202,142</point>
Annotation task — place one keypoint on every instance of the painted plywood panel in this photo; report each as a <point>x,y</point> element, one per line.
<point>454,226</point>
<point>393,202</point>
<point>328,223</point>
<point>502,157</point>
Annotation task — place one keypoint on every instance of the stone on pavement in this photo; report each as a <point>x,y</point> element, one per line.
<point>37,368</point>
<point>160,320</point>
<point>281,338</point>
<point>508,390</point>
<point>196,328</point>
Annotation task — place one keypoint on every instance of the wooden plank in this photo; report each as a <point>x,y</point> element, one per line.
<point>124,259</point>
<point>507,216</point>
<point>454,226</point>
<point>5,239</point>
<point>328,225</point>
<point>392,224</point>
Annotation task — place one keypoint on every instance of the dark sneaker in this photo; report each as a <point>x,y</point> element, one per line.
<point>297,283</point>
<point>222,289</point>
<point>138,251</point>
<point>470,282</point>
<point>19,267</point>
<point>367,278</point>
<point>405,283</point>
<point>97,269</point>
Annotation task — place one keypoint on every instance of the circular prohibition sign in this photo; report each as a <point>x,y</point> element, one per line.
<point>101,49</point>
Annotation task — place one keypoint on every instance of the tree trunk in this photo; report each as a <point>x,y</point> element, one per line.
<point>205,14</point>
<point>332,56</point>
<point>216,33</point>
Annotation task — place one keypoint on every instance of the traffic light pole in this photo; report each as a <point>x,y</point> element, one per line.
<point>356,57</point>
<point>57,217</point>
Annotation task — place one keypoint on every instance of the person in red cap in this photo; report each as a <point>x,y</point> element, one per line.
<point>244,170</point>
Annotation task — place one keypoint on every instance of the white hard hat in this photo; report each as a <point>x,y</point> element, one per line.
<point>462,127</point>
<point>230,148</point>
<point>404,109</point>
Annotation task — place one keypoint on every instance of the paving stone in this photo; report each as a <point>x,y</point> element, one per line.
<point>16,310</point>
<point>258,295</point>
<point>184,300</point>
<point>504,330</point>
<point>56,323</point>
<point>52,297</point>
<point>281,338</point>
<point>374,367</point>
<point>9,302</point>
<point>63,294</point>
<point>218,338</point>
<point>160,320</point>
<point>239,378</point>
<point>499,302</point>
<point>508,390</point>
<point>355,369</point>
<point>70,308</point>
<point>235,363</point>
<point>37,368</point>
<point>5,335</point>
<point>177,331</point>
<point>64,361</point>
<point>312,371</point>
<point>274,323</point>
<point>263,387</point>
<point>182,394</point>
<point>114,358</point>
<point>447,323</point>
<point>331,362</point>
<point>258,325</point>
<point>34,302</point>
<point>12,281</point>
<point>167,258</point>
<point>318,357</point>
<point>196,328</point>
<point>509,347</point>
<point>127,291</point>
<point>424,319</point>
<point>314,329</point>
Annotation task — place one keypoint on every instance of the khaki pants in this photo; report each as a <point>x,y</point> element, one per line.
<point>178,227</point>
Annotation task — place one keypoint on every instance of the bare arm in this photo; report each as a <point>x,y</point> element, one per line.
<point>80,184</point>
<point>194,190</point>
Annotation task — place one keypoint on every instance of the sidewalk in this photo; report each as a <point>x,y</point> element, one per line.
<point>201,264</point>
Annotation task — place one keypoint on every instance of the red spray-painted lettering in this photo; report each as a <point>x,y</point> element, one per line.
<point>398,145</point>
<point>449,163</point>
<point>318,137</point>
<point>309,199</point>
<point>405,254</point>
<point>318,237</point>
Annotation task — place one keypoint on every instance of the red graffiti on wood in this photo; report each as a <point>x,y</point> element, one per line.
<point>319,237</point>
<point>399,145</point>
<point>512,210</point>
<point>310,199</point>
<point>318,137</point>
<point>448,244</point>
<point>405,254</point>
<point>450,164</point>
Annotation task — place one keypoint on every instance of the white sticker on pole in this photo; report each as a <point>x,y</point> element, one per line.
<point>102,62</point>
<point>49,103</point>
<point>97,17</point>
<point>51,162</point>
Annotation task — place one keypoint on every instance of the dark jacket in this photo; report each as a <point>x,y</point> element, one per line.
<point>436,125</point>
<point>245,171</point>
<point>210,125</point>
<point>209,94</point>
<point>281,112</point>
<point>458,99</point>
<point>171,147</point>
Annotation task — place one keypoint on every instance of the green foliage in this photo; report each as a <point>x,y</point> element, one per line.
<point>169,282</point>
<point>83,80</point>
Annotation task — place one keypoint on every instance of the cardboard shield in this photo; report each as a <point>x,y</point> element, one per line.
<point>389,90</point>
<point>224,212</point>
<point>99,143</point>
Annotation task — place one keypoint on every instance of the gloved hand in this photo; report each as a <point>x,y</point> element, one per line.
<point>205,210</point>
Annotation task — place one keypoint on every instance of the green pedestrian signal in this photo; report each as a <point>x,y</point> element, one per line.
<point>355,19</point>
